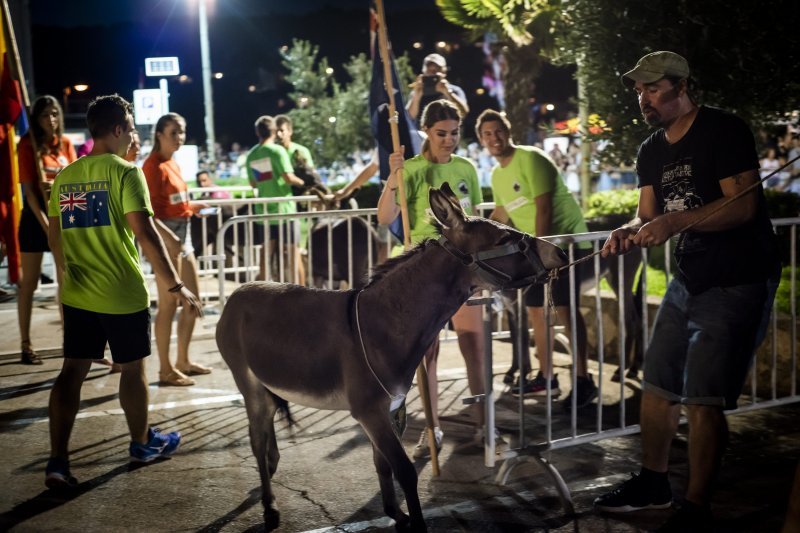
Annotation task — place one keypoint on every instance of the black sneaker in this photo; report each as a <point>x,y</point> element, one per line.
<point>689,518</point>
<point>508,377</point>
<point>586,392</point>
<point>537,386</point>
<point>636,494</point>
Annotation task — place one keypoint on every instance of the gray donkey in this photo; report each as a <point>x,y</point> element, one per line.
<point>363,355</point>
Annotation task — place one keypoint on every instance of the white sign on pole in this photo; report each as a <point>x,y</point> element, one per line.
<point>161,66</point>
<point>188,158</point>
<point>147,106</point>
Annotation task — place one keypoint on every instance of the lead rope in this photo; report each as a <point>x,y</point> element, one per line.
<point>392,397</point>
<point>554,272</point>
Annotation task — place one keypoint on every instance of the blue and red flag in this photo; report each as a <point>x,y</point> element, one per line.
<point>379,116</point>
<point>84,205</point>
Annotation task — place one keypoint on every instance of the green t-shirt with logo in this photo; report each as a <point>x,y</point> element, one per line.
<point>91,197</point>
<point>420,175</point>
<point>529,174</point>
<point>266,165</point>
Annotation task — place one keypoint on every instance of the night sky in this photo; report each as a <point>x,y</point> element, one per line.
<point>103,43</point>
<point>92,12</point>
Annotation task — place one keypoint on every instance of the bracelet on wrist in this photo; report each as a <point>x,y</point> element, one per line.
<point>177,287</point>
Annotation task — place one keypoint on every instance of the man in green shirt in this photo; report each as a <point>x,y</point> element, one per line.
<point>299,155</point>
<point>270,170</point>
<point>303,165</point>
<point>98,205</point>
<point>530,194</point>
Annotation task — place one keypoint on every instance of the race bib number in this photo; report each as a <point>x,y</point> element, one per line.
<point>179,197</point>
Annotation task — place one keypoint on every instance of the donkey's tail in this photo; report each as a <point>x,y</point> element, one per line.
<point>283,408</point>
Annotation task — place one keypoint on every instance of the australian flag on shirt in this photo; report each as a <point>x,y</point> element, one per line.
<point>84,205</point>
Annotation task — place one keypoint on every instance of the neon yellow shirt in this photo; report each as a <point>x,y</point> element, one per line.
<point>420,175</point>
<point>91,197</point>
<point>529,174</point>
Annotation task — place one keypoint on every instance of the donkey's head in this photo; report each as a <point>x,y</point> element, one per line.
<point>499,256</point>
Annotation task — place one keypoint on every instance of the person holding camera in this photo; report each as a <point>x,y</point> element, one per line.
<point>432,85</point>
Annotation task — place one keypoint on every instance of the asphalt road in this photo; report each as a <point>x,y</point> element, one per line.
<point>326,480</point>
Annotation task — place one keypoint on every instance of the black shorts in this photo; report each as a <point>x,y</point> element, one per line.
<point>32,238</point>
<point>534,296</point>
<point>86,334</point>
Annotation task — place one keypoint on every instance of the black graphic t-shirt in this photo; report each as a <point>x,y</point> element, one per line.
<point>686,175</point>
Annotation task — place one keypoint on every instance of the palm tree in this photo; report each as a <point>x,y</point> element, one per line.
<point>531,27</point>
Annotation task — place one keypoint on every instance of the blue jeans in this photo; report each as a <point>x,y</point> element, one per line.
<point>703,344</point>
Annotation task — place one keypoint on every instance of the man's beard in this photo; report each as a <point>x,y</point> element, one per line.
<point>652,118</point>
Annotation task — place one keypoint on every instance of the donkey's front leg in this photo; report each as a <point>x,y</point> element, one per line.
<point>386,482</point>
<point>380,432</point>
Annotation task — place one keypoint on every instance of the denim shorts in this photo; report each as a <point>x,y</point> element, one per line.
<point>703,344</point>
<point>180,227</point>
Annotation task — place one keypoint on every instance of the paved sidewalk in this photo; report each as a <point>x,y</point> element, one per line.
<point>326,480</point>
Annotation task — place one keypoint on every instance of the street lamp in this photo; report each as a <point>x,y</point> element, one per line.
<point>67,91</point>
<point>208,98</point>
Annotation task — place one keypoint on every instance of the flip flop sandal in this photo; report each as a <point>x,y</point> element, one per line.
<point>195,369</point>
<point>174,379</point>
<point>28,356</point>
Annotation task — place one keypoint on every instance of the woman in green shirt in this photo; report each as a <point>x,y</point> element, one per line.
<point>441,122</point>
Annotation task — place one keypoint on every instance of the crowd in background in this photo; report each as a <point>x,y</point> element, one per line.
<point>565,150</point>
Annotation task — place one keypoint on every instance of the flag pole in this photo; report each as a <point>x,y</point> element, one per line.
<point>16,63</point>
<point>422,373</point>
<point>383,43</point>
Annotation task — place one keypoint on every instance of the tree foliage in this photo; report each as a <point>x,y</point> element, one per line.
<point>319,97</point>
<point>744,56</point>
<point>512,22</point>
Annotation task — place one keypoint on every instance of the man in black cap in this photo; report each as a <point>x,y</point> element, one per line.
<point>432,85</point>
<point>715,311</point>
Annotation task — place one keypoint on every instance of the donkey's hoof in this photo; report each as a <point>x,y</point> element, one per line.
<point>405,523</point>
<point>418,525</point>
<point>401,520</point>
<point>272,519</point>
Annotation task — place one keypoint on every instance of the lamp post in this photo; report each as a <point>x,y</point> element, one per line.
<point>208,98</point>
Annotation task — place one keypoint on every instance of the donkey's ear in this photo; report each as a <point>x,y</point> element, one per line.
<point>445,206</point>
<point>445,188</point>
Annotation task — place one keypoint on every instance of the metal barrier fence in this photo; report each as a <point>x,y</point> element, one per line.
<point>556,436</point>
<point>342,246</point>
<point>240,234</point>
<point>753,399</point>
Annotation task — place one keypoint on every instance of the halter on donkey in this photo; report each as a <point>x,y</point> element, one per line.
<point>364,354</point>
